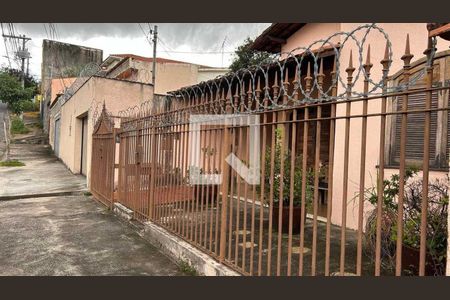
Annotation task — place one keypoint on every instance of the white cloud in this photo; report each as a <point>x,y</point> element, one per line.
<point>129,38</point>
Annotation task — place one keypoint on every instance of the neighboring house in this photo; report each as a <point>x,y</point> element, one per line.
<point>71,119</point>
<point>62,60</point>
<point>58,87</point>
<point>170,74</point>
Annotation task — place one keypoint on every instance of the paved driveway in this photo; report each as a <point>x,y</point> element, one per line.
<point>73,235</point>
<point>65,235</point>
<point>43,173</point>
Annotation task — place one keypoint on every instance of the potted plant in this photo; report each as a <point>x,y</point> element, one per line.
<point>436,236</point>
<point>275,184</point>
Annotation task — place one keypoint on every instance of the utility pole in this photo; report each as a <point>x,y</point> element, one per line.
<point>28,65</point>
<point>22,53</point>
<point>155,38</point>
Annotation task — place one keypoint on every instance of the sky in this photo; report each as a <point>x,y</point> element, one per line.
<point>199,43</point>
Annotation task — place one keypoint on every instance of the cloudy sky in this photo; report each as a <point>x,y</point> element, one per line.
<point>197,43</point>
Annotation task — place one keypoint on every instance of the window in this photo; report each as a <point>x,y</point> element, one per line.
<point>439,126</point>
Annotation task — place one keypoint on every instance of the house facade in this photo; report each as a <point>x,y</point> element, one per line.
<point>71,121</point>
<point>288,37</point>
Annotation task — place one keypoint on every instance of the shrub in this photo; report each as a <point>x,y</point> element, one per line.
<point>28,105</point>
<point>298,175</point>
<point>437,212</point>
<point>18,127</point>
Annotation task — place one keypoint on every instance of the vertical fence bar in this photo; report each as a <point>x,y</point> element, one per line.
<point>252,227</point>
<point>386,62</point>
<point>272,172</point>
<point>362,175</point>
<point>426,160</point>
<point>330,170</point>
<point>320,77</point>
<point>308,80</point>
<point>224,187</point>
<point>292,175</point>
<point>246,157</point>
<point>233,175</point>
<point>281,189</point>
<point>349,71</point>
<point>262,174</point>
<point>238,177</point>
<point>401,191</point>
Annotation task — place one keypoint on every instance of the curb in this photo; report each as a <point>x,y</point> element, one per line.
<point>42,195</point>
<point>175,247</point>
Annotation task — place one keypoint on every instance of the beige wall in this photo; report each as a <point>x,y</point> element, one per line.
<point>170,76</point>
<point>117,95</point>
<point>205,74</point>
<point>173,76</point>
<point>397,35</point>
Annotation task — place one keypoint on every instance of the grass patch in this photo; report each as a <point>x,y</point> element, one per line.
<point>17,126</point>
<point>186,268</point>
<point>11,163</point>
<point>87,194</point>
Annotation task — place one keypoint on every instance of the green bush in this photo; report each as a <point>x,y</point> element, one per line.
<point>437,212</point>
<point>298,175</point>
<point>18,127</point>
<point>28,105</point>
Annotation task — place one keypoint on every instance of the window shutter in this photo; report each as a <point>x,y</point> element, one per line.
<point>415,130</point>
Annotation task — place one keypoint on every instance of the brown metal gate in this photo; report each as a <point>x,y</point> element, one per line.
<point>103,159</point>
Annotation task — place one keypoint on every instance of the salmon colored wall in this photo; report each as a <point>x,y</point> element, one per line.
<point>58,86</point>
<point>397,35</point>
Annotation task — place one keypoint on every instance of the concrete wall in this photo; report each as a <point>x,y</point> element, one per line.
<point>170,76</point>
<point>63,60</point>
<point>205,74</point>
<point>397,35</point>
<point>117,95</point>
<point>173,76</point>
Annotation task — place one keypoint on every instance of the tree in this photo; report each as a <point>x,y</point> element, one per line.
<point>244,57</point>
<point>12,93</point>
<point>30,82</point>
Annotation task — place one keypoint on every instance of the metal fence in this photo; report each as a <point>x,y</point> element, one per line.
<point>318,209</point>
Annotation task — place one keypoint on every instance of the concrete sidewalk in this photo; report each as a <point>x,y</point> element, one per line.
<point>42,174</point>
<point>73,235</point>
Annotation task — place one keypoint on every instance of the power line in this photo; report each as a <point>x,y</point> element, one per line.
<point>202,52</point>
<point>6,47</point>
<point>52,34</point>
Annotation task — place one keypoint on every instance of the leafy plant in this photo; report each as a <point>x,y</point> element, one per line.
<point>17,126</point>
<point>28,106</point>
<point>298,175</point>
<point>186,268</point>
<point>12,93</point>
<point>437,212</point>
